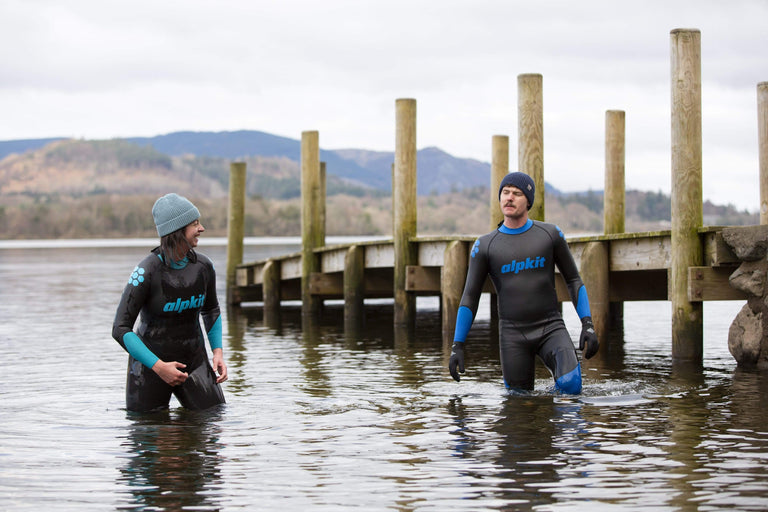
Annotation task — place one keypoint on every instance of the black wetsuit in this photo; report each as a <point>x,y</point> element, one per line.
<point>170,300</point>
<point>521,264</point>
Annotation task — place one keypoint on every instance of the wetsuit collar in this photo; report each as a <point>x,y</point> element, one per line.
<point>525,227</point>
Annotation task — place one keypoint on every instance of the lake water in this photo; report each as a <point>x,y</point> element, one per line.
<point>320,419</point>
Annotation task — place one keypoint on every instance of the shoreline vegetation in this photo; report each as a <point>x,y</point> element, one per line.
<point>457,213</point>
<point>77,189</point>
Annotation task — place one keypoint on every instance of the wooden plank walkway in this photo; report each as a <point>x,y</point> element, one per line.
<point>638,268</point>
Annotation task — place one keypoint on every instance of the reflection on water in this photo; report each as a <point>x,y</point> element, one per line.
<point>324,414</point>
<point>174,460</point>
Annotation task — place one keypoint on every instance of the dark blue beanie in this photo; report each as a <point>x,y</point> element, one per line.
<point>523,182</point>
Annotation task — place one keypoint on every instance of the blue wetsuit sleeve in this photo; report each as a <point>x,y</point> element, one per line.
<point>582,303</point>
<point>214,335</point>
<point>139,350</point>
<point>463,323</point>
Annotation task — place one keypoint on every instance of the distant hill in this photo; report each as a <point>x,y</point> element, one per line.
<point>439,172</point>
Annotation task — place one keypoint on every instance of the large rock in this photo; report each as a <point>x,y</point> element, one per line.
<point>748,334</point>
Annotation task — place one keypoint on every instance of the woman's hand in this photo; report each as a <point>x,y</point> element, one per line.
<point>219,366</point>
<point>170,372</point>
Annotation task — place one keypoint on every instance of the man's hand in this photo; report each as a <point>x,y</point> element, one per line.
<point>219,366</point>
<point>170,372</point>
<point>457,360</point>
<point>588,338</point>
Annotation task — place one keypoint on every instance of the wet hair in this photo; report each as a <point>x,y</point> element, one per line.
<point>171,245</point>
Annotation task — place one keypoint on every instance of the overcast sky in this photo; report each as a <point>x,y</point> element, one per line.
<point>99,69</point>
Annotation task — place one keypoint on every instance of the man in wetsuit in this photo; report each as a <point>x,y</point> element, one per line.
<point>170,289</point>
<point>520,258</point>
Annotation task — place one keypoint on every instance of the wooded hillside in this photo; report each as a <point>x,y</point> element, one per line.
<point>105,189</point>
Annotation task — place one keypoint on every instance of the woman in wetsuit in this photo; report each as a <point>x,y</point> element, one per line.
<point>520,257</point>
<point>168,291</point>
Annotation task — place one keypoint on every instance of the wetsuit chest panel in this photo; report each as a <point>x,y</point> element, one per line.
<point>170,302</point>
<point>521,267</point>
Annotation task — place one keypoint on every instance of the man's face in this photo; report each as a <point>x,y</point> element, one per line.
<point>513,202</point>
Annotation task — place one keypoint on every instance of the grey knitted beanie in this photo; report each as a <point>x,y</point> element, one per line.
<point>172,212</point>
<point>521,181</point>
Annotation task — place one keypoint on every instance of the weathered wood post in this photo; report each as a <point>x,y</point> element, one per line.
<point>499,169</point>
<point>404,212</point>
<point>530,132</point>
<point>614,198</point>
<point>311,231</point>
<point>687,208</point>
<point>354,287</point>
<point>271,292</point>
<point>235,227</point>
<point>762,141</point>
<point>321,205</point>
<point>453,275</point>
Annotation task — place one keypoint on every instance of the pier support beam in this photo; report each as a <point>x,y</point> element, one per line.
<point>311,231</point>
<point>271,292</point>
<point>354,287</point>
<point>404,208</point>
<point>687,209</point>
<point>614,198</point>
<point>499,169</point>
<point>235,227</point>
<point>530,132</point>
<point>454,273</point>
<point>594,273</point>
<point>762,140</point>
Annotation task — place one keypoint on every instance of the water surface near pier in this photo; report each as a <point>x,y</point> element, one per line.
<point>320,419</point>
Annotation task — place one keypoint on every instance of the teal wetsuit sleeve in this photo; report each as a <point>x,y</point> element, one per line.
<point>463,324</point>
<point>139,350</point>
<point>214,335</point>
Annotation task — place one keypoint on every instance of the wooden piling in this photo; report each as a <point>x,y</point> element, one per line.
<point>271,291</point>
<point>235,227</point>
<point>762,140</point>
<point>354,286</point>
<point>614,198</point>
<point>321,206</point>
<point>499,169</point>
<point>311,232</point>
<point>404,211</point>
<point>530,130</point>
<point>687,206</point>
<point>594,273</point>
<point>453,276</point>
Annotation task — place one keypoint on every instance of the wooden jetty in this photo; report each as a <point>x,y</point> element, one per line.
<point>687,265</point>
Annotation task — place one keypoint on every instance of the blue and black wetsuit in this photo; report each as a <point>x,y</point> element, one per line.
<point>169,300</point>
<point>521,264</point>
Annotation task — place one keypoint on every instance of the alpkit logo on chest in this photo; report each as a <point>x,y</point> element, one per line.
<point>182,305</point>
<point>529,264</point>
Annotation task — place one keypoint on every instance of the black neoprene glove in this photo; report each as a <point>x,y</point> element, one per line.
<point>457,360</point>
<point>588,343</point>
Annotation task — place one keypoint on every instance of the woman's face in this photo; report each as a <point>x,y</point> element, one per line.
<point>192,231</point>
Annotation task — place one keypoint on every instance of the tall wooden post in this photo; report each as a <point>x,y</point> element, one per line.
<point>499,169</point>
<point>311,231</point>
<point>614,198</point>
<point>687,208</point>
<point>530,131</point>
<point>762,140</point>
<point>354,287</point>
<point>453,275</point>
<point>404,213</point>
<point>235,227</point>
<point>321,205</point>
